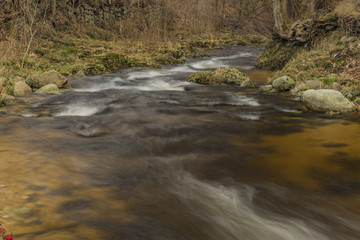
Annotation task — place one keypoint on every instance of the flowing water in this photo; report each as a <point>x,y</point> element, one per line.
<point>141,154</point>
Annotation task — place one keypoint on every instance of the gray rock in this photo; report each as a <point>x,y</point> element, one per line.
<point>248,83</point>
<point>49,89</point>
<point>21,89</point>
<point>283,83</point>
<point>19,79</point>
<point>80,73</point>
<point>266,88</point>
<point>350,92</point>
<point>51,77</point>
<point>299,89</point>
<point>314,84</point>
<point>327,100</point>
<point>23,212</point>
<point>11,100</point>
<point>89,131</point>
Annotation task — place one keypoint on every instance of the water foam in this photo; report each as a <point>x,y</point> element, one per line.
<point>78,109</point>
<point>240,100</point>
<point>232,215</point>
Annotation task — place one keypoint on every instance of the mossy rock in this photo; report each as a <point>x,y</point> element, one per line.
<point>167,59</point>
<point>205,78</point>
<point>220,76</point>
<point>94,69</point>
<point>204,44</point>
<point>113,61</point>
<point>229,76</point>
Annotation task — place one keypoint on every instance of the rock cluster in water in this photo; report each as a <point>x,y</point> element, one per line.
<point>46,83</point>
<point>230,76</point>
<point>314,93</point>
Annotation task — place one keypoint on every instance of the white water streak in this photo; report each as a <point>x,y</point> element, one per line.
<point>231,213</point>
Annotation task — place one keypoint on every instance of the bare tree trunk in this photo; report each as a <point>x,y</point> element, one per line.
<point>284,9</point>
<point>313,9</point>
<point>53,10</point>
<point>278,18</point>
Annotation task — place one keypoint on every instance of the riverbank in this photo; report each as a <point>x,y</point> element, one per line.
<point>79,57</point>
<point>115,156</point>
<point>321,53</point>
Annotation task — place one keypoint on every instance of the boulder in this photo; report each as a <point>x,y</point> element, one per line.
<point>80,73</point>
<point>314,84</point>
<point>248,83</point>
<point>11,100</point>
<point>21,89</point>
<point>311,84</point>
<point>51,77</point>
<point>284,83</point>
<point>327,100</point>
<point>231,76</point>
<point>266,88</point>
<point>18,79</point>
<point>48,89</point>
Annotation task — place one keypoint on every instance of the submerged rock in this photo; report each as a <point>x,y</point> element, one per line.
<point>89,130</point>
<point>327,100</point>
<point>21,89</point>
<point>248,83</point>
<point>284,83</point>
<point>266,88</point>
<point>49,89</point>
<point>50,77</point>
<point>11,100</point>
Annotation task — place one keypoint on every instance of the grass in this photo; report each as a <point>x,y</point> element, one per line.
<point>331,55</point>
<point>277,55</point>
<point>68,54</point>
<point>334,60</point>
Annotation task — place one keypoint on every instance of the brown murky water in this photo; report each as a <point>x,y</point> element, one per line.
<point>142,155</point>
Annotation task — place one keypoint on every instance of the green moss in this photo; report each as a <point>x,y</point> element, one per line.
<point>229,76</point>
<point>252,40</point>
<point>113,61</point>
<point>218,77</point>
<point>330,56</point>
<point>357,101</point>
<point>94,69</point>
<point>201,77</point>
<point>276,55</point>
<point>8,86</point>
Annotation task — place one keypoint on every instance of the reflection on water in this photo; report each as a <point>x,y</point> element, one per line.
<point>141,154</point>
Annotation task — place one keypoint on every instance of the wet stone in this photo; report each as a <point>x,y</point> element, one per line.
<point>37,188</point>
<point>89,131</point>
<point>334,145</point>
<point>75,205</point>
<point>23,212</point>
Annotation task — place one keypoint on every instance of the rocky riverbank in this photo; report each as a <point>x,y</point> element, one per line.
<point>320,53</point>
<point>46,68</point>
<point>314,94</point>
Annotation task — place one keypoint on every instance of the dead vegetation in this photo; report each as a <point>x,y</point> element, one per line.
<point>38,35</point>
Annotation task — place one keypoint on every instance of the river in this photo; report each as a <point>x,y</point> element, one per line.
<point>142,154</point>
